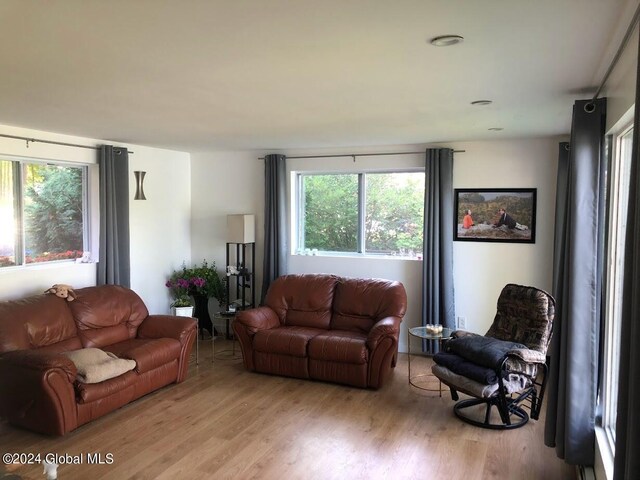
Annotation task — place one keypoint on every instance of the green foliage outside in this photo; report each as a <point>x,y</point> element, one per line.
<point>331,212</point>
<point>394,212</point>
<point>53,209</point>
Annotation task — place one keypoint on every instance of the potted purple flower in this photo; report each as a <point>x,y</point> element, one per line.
<point>200,283</point>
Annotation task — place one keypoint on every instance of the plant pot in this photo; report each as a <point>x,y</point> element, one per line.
<point>182,311</point>
<point>202,314</point>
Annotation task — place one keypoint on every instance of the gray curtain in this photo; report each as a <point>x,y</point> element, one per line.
<point>114,263</point>
<point>627,459</point>
<point>275,220</point>
<point>437,266</point>
<point>578,259</point>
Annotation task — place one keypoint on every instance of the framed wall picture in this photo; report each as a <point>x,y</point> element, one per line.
<point>495,215</point>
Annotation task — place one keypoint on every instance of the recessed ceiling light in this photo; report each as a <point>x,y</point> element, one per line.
<point>496,129</point>
<point>446,40</point>
<point>482,102</point>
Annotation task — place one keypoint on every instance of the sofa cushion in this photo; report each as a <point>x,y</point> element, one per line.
<point>90,392</point>
<point>35,322</point>
<point>107,314</point>
<point>339,346</point>
<point>302,300</point>
<point>149,353</point>
<point>285,340</point>
<point>359,303</point>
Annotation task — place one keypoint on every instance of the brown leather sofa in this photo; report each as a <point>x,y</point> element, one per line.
<point>38,387</point>
<point>324,327</point>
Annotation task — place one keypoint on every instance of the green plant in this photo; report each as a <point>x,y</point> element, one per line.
<point>182,301</point>
<point>198,280</point>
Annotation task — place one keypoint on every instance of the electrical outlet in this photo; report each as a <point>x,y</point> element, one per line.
<point>462,322</point>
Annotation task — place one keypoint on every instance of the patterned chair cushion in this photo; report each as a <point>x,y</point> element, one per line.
<point>525,315</point>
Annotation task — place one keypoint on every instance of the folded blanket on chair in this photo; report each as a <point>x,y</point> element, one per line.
<point>486,351</point>
<point>463,367</point>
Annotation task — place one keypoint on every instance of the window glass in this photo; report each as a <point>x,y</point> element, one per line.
<point>371,213</point>
<point>394,213</point>
<point>330,213</point>
<point>41,212</point>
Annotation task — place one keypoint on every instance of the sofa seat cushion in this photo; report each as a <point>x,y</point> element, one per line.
<point>291,341</point>
<point>339,346</point>
<point>90,392</point>
<point>149,353</point>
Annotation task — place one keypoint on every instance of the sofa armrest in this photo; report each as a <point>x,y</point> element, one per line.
<point>527,355</point>
<point>387,327</point>
<point>40,361</point>
<point>167,326</point>
<point>255,319</point>
<point>36,391</point>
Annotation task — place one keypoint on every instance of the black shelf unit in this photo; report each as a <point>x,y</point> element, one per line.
<point>241,286</point>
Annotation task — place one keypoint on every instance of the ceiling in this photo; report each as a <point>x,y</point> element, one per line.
<point>199,75</point>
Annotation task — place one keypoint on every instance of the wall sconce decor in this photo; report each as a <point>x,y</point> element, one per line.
<point>139,185</point>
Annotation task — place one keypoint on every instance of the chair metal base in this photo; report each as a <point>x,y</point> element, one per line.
<point>506,416</point>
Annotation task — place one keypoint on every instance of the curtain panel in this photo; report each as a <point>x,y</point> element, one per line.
<point>627,460</point>
<point>577,278</point>
<point>438,304</point>
<point>275,220</point>
<point>114,262</point>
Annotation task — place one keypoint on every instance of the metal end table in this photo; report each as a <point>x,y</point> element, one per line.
<point>421,333</point>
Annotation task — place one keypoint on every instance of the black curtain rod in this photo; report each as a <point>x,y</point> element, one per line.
<point>589,107</point>
<point>64,144</point>
<point>354,155</point>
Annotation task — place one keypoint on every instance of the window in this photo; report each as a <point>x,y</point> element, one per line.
<point>368,213</point>
<point>42,212</point>
<point>618,204</point>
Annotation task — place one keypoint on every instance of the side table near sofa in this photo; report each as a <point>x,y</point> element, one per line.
<point>423,334</point>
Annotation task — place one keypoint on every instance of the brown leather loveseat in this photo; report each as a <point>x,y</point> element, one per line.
<point>324,327</point>
<point>38,386</point>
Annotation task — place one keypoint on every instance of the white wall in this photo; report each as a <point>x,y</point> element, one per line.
<point>482,269</point>
<point>225,183</point>
<point>160,230</point>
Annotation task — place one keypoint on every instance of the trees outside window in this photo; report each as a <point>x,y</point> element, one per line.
<point>372,213</point>
<point>41,212</point>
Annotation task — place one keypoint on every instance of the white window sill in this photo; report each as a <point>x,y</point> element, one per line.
<point>358,255</point>
<point>604,455</point>
<point>43,266</point>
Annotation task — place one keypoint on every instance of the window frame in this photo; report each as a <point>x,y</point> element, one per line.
<point>614,281</point>
<point>299,209</point>
<point>18,163</point>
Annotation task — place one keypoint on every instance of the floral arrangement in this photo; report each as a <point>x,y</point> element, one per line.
<point>197,280</point>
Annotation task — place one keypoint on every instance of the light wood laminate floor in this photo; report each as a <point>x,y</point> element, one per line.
<point>224,422</point>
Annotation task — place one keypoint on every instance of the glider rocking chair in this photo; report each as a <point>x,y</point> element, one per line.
<point>505,367</point>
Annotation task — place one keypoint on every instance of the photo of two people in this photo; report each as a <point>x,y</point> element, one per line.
<point>495,215</point>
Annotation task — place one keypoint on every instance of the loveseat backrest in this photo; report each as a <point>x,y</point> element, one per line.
<point>302,300</point>
<point>107,314</point>
<point>359,303</point>
<point>41,321</point>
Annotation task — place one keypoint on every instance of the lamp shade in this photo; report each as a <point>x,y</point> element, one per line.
<point>241,228</point>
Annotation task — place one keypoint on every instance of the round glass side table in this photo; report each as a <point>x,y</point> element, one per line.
<point>423,334</point>
<point>226,354</point>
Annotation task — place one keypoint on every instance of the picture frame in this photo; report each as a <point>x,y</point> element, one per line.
<point>487,223</point>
